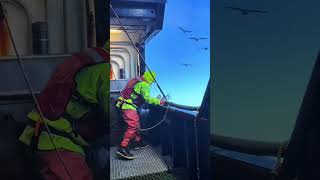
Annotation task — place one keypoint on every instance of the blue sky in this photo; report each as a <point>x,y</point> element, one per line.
<point>171,47</point>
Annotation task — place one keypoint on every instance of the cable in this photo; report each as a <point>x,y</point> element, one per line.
<point>143,60</point>
<point>114,76</point>
<point>141,56</point>
<point>146,129</point>
<point>31,90</point>
<point>154,126</point>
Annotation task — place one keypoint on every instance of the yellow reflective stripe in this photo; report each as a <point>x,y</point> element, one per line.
<point>60,142</point>
<point>61,124</point>
<point>125,100</point>
<point>128,106</point>
<point>45,143</point>
<point>26,135</point>
<point>126,103</point>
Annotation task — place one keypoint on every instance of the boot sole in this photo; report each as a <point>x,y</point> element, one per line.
<point>124,156</point>
<point>143,147</point>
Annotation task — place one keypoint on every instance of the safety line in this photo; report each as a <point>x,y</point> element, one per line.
<point>146,129</point>
<point>114,76</point>
<point>32,92</point>
<point>143,60</point>
<point>141,56</point>
<point>157,124</point>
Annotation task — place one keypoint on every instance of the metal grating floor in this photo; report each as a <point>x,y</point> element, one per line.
<point>146,161</point>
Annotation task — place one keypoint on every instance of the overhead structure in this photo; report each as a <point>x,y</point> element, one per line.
<point>143,20</point>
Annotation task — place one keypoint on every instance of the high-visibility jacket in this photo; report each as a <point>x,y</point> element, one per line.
<point>93,85</point>
<point>141,91</point>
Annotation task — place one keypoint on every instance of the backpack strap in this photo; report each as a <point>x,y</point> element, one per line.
<point>126,99</point>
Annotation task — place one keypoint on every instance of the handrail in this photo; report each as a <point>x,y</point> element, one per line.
<point>246,146</point>
<point>184,107</point>
<point>33,57</point>
<point>17,95</point>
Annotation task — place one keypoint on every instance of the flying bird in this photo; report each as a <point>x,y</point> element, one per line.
<point>197,39</point>
<point>246,11</point>
<point>205,48</point>
<point>184,31</point>
<point>186,65</point>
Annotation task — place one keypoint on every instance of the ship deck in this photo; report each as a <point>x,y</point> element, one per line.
<point>147,162</point>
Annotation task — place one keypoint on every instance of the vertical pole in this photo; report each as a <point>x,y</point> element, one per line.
<point>73,25</point>
<point>142,65</point>
<point>84,8</point>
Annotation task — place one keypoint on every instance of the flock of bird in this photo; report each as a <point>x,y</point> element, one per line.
<point>196,39</point>
<point>193,38</point>
<point>243,11</point>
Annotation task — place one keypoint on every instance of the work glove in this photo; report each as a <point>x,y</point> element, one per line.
<point>162,102</point>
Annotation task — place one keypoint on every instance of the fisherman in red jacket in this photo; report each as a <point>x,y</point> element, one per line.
<point>74,96</point>
<point>136,93</point>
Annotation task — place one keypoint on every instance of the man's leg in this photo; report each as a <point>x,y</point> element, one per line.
<point>52,168</point>
<point>131,117</point>
<point>138,142</point>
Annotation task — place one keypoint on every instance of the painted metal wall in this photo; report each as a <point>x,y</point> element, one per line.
<point>38,69</point>
<point>14,94</point>
<point>67,24</point>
